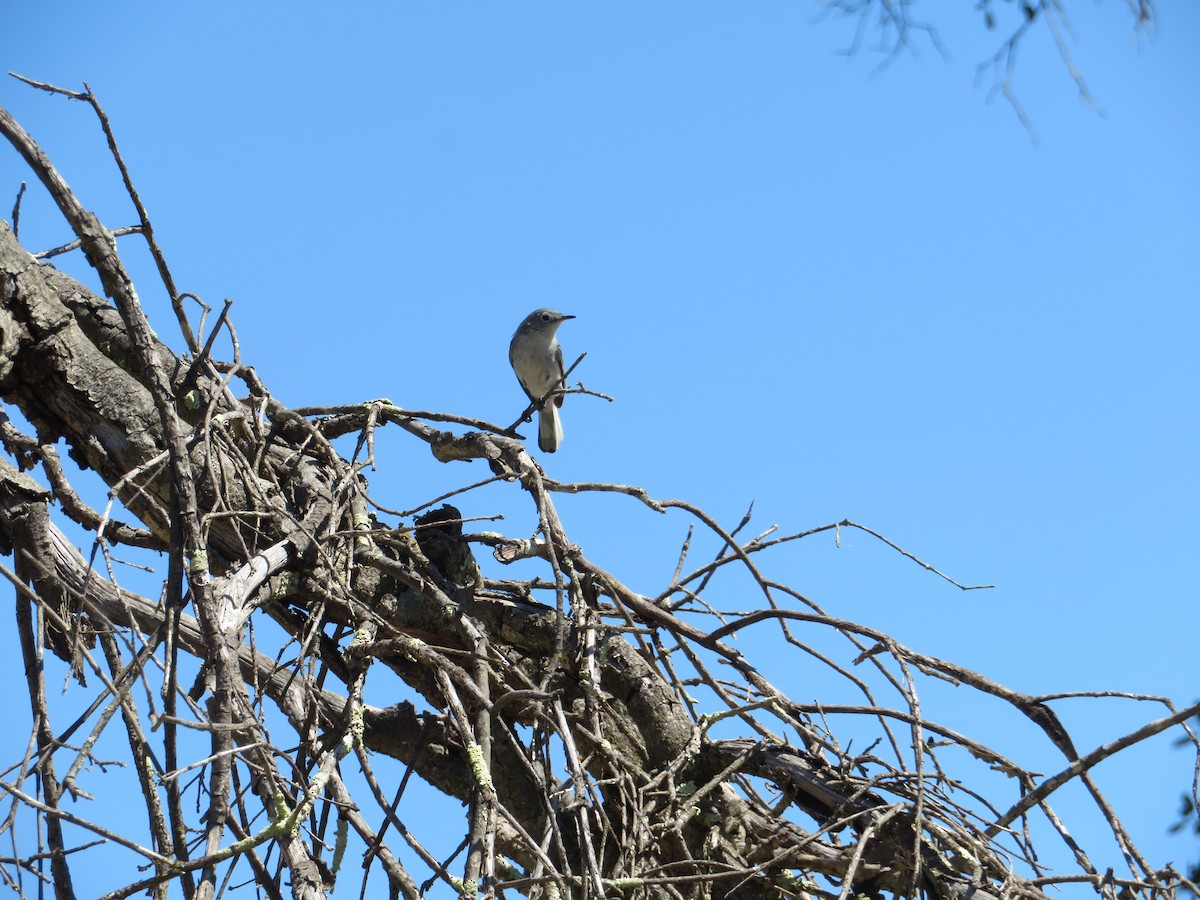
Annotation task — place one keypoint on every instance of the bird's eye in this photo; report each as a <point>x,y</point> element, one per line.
<point>545,317</point>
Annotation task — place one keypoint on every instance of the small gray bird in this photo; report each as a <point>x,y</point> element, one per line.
<point>538,361</point>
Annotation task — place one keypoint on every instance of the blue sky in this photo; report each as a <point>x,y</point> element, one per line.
<point>830,290</point>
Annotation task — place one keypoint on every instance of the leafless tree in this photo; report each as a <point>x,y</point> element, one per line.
<point>897,28</point>
<point>591,741</point>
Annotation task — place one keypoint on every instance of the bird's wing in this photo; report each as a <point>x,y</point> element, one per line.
<point>558,359</point>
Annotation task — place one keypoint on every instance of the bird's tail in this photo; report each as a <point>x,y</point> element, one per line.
<point>550,433</point>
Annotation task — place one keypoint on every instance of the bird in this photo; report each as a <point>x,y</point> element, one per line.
<point>439,535</point>
<point>537,360</point>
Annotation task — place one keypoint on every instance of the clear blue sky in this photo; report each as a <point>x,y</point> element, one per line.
<point>832,291</point>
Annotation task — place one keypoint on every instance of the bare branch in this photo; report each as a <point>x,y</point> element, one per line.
<point>606,743</point>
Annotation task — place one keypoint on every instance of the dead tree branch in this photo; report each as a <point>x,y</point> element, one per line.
<point>602,743</point>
